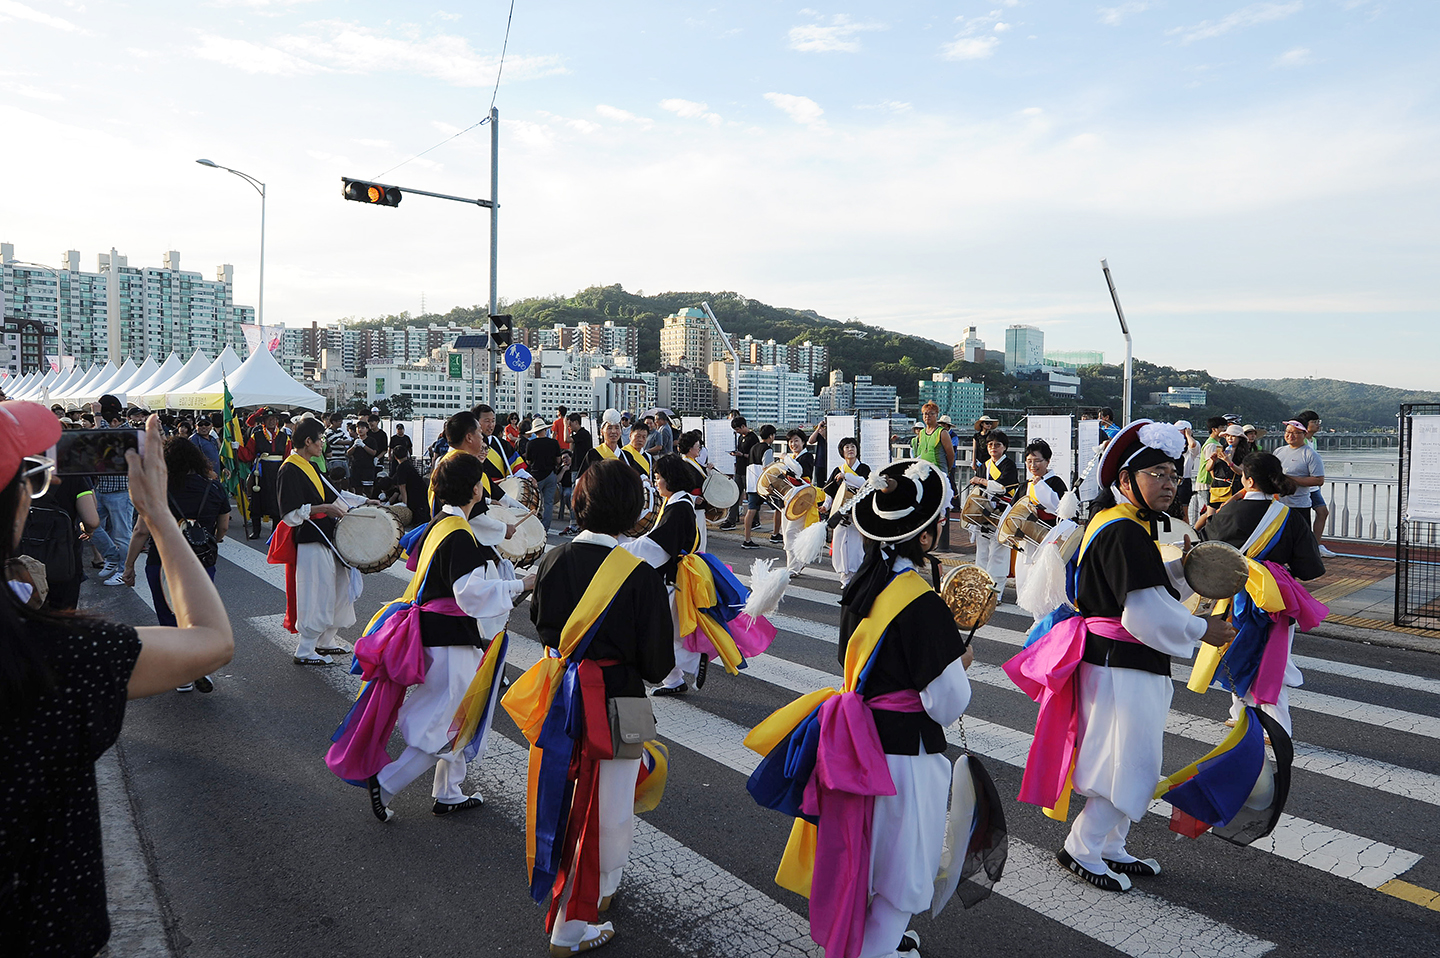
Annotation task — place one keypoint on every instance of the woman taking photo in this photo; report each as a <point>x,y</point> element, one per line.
<point>64,680</point>
<point>195,495</point>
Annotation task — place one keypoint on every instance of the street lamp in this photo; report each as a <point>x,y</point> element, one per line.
<point>259,188</point>
<point>1124,328</point>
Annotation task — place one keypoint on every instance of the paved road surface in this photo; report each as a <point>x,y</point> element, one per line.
<point>256,850</point>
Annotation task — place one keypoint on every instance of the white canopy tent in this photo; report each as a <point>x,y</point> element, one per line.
<point>196,365</point>
<point>72,380</point>
<point>16,387</point>
<point>146,370</point>
<point>224,365</point>
<point>259,381</point>
<point>105,385</point>
<point>63,379</point>
<point>96,375</point>
<point>142,386</point>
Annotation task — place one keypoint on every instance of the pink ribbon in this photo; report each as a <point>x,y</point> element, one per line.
<point>1305,611</point>
<point>1046,671</point>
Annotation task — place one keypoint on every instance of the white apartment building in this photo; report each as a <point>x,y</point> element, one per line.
<point>121,311</point>
<point>685,340</point>
<point>431,390</point>
<point>810,359</point>
<point>774,394</point>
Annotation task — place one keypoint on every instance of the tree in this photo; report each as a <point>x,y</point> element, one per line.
<point>398,406</point>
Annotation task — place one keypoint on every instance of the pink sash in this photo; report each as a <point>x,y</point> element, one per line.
<point>1305,611</point>
<point>1046,671</point>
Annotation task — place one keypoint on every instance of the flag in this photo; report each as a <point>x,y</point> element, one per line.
<point>233,435</point>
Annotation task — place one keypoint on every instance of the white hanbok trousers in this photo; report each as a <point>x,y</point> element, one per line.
<point>847,552</point>
<point>424,722</point>
<point>616,790</point>
<point>325,594</point>
<point>994,558</point>
<point>789,530</point>
<point>685,660</point>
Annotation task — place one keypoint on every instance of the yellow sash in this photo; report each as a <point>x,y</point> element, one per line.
<point>992,469</point>
<point>641,460</point>
<point>606,452</point>
<point>433,539</point>
<point>307,467</point>
<point>797,866</point>
<point>1124,510</point>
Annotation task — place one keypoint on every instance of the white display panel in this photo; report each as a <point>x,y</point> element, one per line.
<point>720,442</point>
<point>1055,430</point>
<point>837,428</point>
<point>1422,493</point>
<point>875,442</point>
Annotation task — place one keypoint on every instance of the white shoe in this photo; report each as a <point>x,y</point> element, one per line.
<point>108,570</point>
<point>1327,554</point>
<point>595,936</point>
<point>116,579</point>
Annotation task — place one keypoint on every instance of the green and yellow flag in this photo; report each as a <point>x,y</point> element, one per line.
<point>236,472</point>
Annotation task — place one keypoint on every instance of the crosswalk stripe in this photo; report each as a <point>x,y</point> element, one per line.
<point>1399,680</point>
<point>662,872</point>
<point>1331,850</point>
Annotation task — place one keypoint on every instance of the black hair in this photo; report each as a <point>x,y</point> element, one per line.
<point>1040,446</point>
<point>25,675</point>
<point>306,431</point>
<point>678,476</point>
<point>573,417</point>
<point>997,435</point>
<point>1265,470</point>
<point>454,478</point>
<point>1242,448</point>
<point>848,441</point>
<point>1305,417</point>
<point>910,548</point>
<point>183,459</point>
<point>560,411</point>
<point>607,497</point>
<point>737,422</point>
<point>640,424</point>
<point>1107,412</point>
<point>460,425</point>
<point>1215,422</point>
<point>767,432</point>
<point>480,409</point>
<point>796,432</point>
<point>688,440</point>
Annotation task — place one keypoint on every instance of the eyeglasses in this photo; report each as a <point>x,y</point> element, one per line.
<point>1164,478</point>
<point>38,471</point>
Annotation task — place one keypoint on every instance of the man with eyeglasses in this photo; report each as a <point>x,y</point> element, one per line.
<point>1103,718</point>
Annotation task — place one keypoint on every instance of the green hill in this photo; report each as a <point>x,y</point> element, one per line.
<point>1345,406</point>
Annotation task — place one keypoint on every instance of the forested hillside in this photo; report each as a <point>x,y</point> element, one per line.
<point>1343,405</point>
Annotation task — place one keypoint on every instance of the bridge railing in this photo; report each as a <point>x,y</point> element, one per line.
<point>1361,509</point>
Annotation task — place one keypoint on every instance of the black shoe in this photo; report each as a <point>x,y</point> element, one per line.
<point>377,801</point>
<point>204,684</point>
<point>1104,882</point>
<point>777,538</point>
<point>747,544</point>
<point>727,526</point>
<point>680,689</point>
<point>252,535</point>
<point>700,672</point>
<point>909,942</point>
<point>442,808</point>
<point>1144,867</point>
<point>332,650</point>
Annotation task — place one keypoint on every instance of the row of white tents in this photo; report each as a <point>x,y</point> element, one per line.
<point>198,384</point>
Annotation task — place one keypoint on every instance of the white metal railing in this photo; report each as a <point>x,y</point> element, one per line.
<point>1361,509</point>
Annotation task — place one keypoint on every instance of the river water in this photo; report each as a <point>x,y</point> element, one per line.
<point>1362,463</point>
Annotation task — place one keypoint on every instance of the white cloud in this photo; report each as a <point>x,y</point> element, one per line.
<point>889,106</point>
<point>622,116</point>
<point>253,58</point>
<point>1250,16</point>
<point>584,126</point>
<point>838,36</point>
<point>1001,27</point>
<point>10,9</point>
<point>33,92</point>
<point>1297,57</point>
<point>801,109</point>
<point>689,109</point>
<point>257,4</point>
<point>970,48</point>
<point>1113,16</point>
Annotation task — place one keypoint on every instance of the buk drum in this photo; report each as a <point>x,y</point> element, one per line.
<point>1021,528</point>
<point>527,544</point>
<point>649,512</point>
<point>970,594</point>
<point>401,512</point>
<point>980,512</point>
<point>799,500</point>
<point>523,489</point>
<point>719,491</point>
<point>368,538</point>
<point>774,484</point>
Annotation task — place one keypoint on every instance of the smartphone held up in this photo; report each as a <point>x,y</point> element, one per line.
<point>96,452</point>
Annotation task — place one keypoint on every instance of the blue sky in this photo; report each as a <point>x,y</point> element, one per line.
<point>1263,177</point>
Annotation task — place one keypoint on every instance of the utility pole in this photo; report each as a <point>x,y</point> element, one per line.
<point>494,237</point>
<point>1124,328</point>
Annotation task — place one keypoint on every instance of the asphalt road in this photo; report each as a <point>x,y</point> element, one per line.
<point>257,850</point>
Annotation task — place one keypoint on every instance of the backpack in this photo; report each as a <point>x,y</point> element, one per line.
<point>200,539</point>
<point>50,536</point>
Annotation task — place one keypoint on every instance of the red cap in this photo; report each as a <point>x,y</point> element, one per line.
<point>26,429</point>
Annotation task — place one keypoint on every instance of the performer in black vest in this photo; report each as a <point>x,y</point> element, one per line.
<point>1043,488</point>
<point>271,444</point>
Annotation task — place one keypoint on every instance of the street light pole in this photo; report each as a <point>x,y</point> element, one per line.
<point>1124,328</point>
<point>259,188</point>
<point>494,240</point>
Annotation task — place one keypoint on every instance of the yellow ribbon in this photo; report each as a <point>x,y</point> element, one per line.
<point>695,591</point>
<point>476,700</point>
<point>305,466</point>
<point>433,538</point>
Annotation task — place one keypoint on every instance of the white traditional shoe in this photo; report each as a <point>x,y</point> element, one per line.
<point>595,937</point>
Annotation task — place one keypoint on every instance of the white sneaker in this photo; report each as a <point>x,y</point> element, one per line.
<point>108,571</point>
<point>1327,554</point>
<point>116,579</point>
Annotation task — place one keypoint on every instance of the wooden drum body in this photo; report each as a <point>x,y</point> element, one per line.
<point>527,544</point>
<point>368,538</point>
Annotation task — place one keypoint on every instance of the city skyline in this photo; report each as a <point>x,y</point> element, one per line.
<point>1254,167</point>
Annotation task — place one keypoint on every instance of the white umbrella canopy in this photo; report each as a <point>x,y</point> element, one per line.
<point>194,366</point>
<point>258,382</point>
<point>146,370</point>
<point>225,364</point>
<point>142,387</point>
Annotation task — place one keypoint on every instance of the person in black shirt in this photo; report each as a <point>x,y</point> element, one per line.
<point>1043,488</point>
<point>270,444</point>
<point>413,488</point>
<point>360,460</point>
<point>801,466</point>
<point>745,440</point>
<point>542,460</point>
<point>195,495</point>
<point>401,443</point>
<point>759,454</point>
<point>998,483</point>
<point>464,602</point>
<point>54,529</point>
<point>581,443</point>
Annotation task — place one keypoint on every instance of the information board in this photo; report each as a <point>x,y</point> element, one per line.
<point>875,442</point>
<point>720,442</point>
<point>1422,493</point>
<point>837,428</point>
<point>1055,430</point>
<point>692,423</point>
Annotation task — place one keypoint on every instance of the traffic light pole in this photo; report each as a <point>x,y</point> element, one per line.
<point>494,236</point>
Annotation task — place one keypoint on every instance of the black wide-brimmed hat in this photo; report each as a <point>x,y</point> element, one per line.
<point>904,499</point>
<point>1141,444</point>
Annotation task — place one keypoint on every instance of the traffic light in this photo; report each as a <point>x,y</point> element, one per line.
<point>377,194</point>
<point>504,330</point>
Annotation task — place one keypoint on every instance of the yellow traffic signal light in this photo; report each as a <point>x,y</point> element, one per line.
<point>375,193</point>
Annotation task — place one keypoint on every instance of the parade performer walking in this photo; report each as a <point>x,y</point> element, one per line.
<point>634,452</point>
<point>847,546</point>
<point>705,597</point>
<point>1043,489</point>
<point>600,612</point>
<point>999,482</point>
<point>500,458</point>
<point>269,445</point>
<point>446,637</point>
<point>871,819</point>
<point>1102,678</point>
<point>609,445</point>
<point>801,466</point>
<point>1258,668</point>
<point>320,589</point>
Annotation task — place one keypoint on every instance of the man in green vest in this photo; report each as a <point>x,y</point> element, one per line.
<point>932,443</point>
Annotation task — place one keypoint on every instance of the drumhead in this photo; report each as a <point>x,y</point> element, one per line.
<point>798,501</point>
<point>368,537</point>
<point>720,490</point>
<point>1216,570</point>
